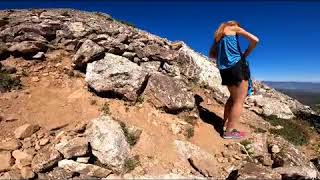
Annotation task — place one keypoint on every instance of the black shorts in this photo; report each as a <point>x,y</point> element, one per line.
<point>235,74</point>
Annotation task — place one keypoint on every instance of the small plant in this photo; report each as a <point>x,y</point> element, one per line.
<point>131,163</point>
<point>140,99</point>
<point>189,133</point>
<point>317,148</point>
<point>7,82</point>
<point>292,131</point>
<point>93,101</point>
<point>131,137</point>
<point>190,120</point>
<point>128,23</point>
<point>24,73</point>
<point>105,109</point>
<point>245,142</point>
<point>260,130</point>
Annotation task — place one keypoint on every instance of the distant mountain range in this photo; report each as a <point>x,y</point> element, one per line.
<point>306,92</point>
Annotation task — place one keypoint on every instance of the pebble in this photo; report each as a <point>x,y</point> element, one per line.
<point>35,79</point>
<point>275,149</point>
<point>44,141</point>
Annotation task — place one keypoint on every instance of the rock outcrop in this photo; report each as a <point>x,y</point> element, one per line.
<point>118,60</point>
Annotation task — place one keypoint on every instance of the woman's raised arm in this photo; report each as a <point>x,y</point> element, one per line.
<point>253,40</point>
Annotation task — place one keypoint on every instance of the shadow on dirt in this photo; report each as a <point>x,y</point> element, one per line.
<point>208,116</point>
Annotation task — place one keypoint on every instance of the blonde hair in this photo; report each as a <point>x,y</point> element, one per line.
<point>220,31</point>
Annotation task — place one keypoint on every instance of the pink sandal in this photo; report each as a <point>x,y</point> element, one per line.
<point>234,134</point>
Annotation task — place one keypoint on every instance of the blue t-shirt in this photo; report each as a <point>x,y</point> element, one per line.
<point>228,51</point>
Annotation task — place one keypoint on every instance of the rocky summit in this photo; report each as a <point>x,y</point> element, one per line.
<point>85,96</point>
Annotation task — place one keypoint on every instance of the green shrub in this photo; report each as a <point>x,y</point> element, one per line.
<point>105,109</point>
<point>245,142</point>
<point>131,137</point>
<point>259,130</point>
<point>7,83</point>
<point>189,133</point>
<point>131,163</point>
<point>292,131</point>
<point>127,23</point>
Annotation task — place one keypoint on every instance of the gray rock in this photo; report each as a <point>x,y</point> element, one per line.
<point>6,161</point>
<point>201,70</point>
<point>88,52</point>
<point>288,155</point>
<point>73,148</point>
<point>204,162</point>
<point>77,29</point>
<point>272,106</point>
<point>151,66</point>
<point>155,52</point>
<point>56,173</point>
<point>253,171</point>
<point>39,55</point>
<point>108,142</point>
<point>169,93</point>
<point>129,55</point>
<point>83,159</point>
<point>171,69</point>
<point>45,159</point>
<point>27,47</point>
<point>116,74</point>
<point>86,169</point>
<point>298,172</point>
<point>25,130</point>
<point>204,166</point>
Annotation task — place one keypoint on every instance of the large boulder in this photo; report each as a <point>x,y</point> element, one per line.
<point>254,171</point>
<point>88,52</point>
<point>169,93</point>
<point>297,172</point>
<point>271,106</point>
<point>27,48</point>
<point>287,155</point>
<point>117,75</point>
<point>108,142</point>
<point>202,71</point>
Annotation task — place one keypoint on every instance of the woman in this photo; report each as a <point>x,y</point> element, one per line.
<point>234,71</point>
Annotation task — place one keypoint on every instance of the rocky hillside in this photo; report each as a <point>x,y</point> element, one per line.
<point>86,96</point>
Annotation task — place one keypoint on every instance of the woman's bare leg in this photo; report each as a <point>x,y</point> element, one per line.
<point>238,95</point>
<point>227,109</point>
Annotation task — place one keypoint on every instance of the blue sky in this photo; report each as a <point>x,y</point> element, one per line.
<point>289,31</point>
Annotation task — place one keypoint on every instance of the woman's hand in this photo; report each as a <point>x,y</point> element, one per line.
<point>253,40</point>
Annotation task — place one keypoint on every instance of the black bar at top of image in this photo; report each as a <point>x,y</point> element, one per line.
<point>167,1</point>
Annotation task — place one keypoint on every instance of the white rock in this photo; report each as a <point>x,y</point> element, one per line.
<point>108,142</point>
<point>86,169</point>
